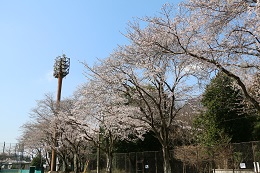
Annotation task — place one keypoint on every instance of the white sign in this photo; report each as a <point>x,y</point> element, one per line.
<point>242,165</point>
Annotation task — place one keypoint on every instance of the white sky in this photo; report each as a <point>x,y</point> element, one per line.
<point>33,33</point>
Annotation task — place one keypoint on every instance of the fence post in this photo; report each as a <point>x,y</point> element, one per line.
<point>155,159</point>
<point>197,154</point>
<point>232,151</point>
<point>255,163</point>
<point>129,162</point>
<point>125,163</point>
<point>184,161</point>
<point>213,153</point>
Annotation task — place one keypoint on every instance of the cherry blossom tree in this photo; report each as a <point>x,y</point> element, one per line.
<point>37,133</point>
<point>69,138</point>
<point>35,140</point>
<point>217,34</point>
<point>102,117</point>
<point>229,38</point>
<point>158,85</point>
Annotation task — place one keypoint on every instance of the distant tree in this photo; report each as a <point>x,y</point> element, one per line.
<point>224,119</point>
<point>38,161</point>
<point>37,134</point>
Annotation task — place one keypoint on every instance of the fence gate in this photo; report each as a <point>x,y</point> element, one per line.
<point>139,166</point>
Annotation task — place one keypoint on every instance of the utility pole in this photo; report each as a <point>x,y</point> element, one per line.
<point>61,69</point>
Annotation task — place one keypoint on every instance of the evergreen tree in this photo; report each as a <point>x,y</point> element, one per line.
<point>38,161</point>
<point>224,119</point>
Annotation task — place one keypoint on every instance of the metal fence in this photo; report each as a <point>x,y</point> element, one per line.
<point>186,159</point>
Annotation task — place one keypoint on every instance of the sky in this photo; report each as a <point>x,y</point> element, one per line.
<point>33,33</point>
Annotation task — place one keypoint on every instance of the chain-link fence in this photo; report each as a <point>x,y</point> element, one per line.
<point>186,159</point>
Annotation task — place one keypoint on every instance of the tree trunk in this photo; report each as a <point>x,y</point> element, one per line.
<point>166,159</point>
<point>64,160</point>
<point>75,162</point>
<point>64,165</point>
<point>109,152</point>
<point>109,159</point>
